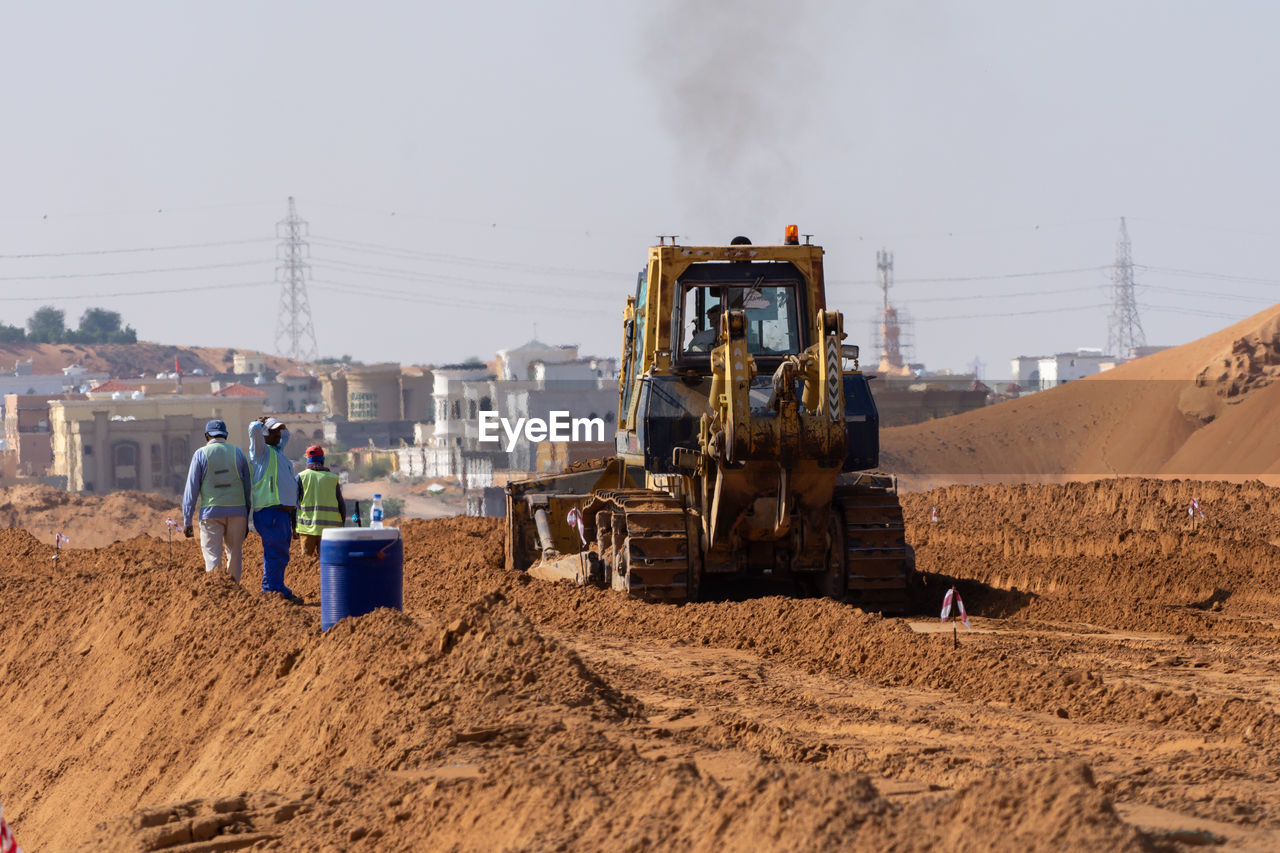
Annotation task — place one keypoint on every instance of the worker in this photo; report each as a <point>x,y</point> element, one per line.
<point>704,340</point>
<point>320,502</point>
<point>275,499</point>
<point>219,480</point>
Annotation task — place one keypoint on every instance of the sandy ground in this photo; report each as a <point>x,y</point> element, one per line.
<point>92,522</point>
<point>1196,410</point>
<point>418,502</point>
<point>1117,692</point>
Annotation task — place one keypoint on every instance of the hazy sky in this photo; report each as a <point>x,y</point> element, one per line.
<point>469,170</point>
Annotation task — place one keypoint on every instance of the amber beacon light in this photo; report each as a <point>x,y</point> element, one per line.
<point>793,236</point>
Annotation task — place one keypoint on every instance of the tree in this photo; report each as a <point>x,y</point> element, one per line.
<point>11,334</point>
<point>98,325</point>
<point>47,325</point>
<point>345,359</point>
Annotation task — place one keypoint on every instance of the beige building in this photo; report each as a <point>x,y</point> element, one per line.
<point>378,392</point>
<point>146,444</point>
<point>248,364</point>
<point>28,448</point>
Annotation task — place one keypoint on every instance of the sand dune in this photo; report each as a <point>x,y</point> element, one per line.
<point>1198,410</point>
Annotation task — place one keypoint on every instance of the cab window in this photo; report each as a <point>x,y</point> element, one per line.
<point>773,326</point>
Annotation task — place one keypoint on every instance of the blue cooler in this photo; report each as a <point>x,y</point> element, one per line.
<point>361,569</point>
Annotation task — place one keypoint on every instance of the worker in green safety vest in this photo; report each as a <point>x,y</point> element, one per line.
<point>275,500</point>
<point>217,496</point>
<point>320,502</point>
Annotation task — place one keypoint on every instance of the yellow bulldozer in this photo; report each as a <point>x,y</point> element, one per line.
<point>745,434</point>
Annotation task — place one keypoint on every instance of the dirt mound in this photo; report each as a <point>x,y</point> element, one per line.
<point>1056,806</point>
<point>177,681</point>
<point>818,635</point>
<point>87,520</point>
<point>618,801</point>
<point>500,712</point>
<point>127,360</point>
<point>1126,546</point>
<point>1191,411</point>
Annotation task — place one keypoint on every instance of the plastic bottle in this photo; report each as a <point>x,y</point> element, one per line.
<point>375,513</point>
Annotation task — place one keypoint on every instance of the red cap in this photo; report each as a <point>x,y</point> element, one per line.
<point>315,450</point>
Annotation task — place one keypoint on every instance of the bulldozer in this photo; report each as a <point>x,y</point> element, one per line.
<point>746,443</point>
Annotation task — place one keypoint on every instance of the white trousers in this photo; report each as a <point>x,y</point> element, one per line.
<point>217,534</point>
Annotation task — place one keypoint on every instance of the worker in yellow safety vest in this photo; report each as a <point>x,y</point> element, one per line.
<point>320,502</point>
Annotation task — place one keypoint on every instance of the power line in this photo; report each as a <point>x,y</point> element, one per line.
<point>487,224</point>
<point>945,279</point>
<point>447,302</point>
<point>462,260</point>
<point>157,211</point>
<point>1219,315</point>
<point>1211,275</point>
<point>86,252</point>
<point>1206,294</point>
<point>1008,313</point>
<point>198,268</point>
<point>193,289</point>
<point>440,278</point>
<point>1024,293</point>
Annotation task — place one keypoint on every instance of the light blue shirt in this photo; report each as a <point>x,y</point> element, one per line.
<point>195,478</point>
<point>259,456</point>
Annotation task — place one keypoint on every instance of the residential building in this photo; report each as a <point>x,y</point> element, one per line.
<point>28,450</point>
<point>301,391</point>
<point>375,405</point>
<point>24,381</point>
<point>532,388</point>
<point>1041,372</point>
<point>101,445</point>
<point>249,364</point>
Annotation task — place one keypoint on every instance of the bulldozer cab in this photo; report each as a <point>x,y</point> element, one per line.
<point>675,322</point>
<point>671,325</point>
<point>772,312</point>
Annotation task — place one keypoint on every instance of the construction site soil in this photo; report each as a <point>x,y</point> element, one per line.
<point>1196,410</point>
<point>1117,692</point>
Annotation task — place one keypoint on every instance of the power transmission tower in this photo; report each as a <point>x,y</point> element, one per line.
<point>295,336</point>
<point>1124,331</point>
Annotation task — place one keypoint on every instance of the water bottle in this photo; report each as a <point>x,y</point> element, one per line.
<point>375,513</point>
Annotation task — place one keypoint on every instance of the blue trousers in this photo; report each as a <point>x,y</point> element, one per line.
<point>275,527</point>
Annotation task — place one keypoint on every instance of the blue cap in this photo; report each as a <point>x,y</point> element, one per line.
<point>216,427</point>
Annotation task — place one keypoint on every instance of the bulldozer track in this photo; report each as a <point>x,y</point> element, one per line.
<point>642,537</point>
<point>878,564</point>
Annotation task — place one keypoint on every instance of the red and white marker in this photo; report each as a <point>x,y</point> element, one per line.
<point>951,596</point>
<point>8,844</point>
<point>933,515</point>
<point>575,520</point>
<point>1195,509</point>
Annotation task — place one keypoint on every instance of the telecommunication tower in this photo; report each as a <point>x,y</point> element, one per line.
<point>889,333</point>
<point>1124,331</point>
<point>295,336</point>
